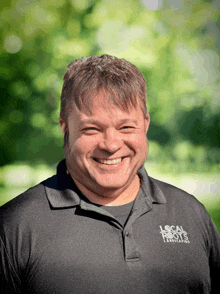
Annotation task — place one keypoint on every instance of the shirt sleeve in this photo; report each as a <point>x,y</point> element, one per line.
<point>214,258</point>
<point>9,280</point>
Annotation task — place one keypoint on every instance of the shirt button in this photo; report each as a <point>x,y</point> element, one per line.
<point>126,233</point>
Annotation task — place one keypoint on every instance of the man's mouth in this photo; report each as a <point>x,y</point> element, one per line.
<point>108,161</point>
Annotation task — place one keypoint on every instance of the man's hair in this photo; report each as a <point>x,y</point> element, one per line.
<point>118,79</point>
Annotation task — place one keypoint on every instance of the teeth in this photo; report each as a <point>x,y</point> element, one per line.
<point>108,161</point>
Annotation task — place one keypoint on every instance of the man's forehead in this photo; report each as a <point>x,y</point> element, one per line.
<point>97,110</point>
<point>104,102</point>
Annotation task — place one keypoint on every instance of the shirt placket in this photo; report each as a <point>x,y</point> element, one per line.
<point>131,250</point>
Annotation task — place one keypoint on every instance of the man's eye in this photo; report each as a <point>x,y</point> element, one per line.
<point>90,130</point>
<point>127,128</point>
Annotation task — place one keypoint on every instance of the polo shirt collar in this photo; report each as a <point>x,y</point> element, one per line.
<point>151,190</point>
<point>62,192</point>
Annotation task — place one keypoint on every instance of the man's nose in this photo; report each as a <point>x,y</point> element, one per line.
<point>111,141</point>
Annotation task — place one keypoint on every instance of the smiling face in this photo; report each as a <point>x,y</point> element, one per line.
<point>106,147</point>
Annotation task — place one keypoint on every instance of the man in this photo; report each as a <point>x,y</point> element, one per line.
<point>102,225</point>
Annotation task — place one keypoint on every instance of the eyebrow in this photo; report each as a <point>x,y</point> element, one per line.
<point>129,120</point>
<point>98,122</point>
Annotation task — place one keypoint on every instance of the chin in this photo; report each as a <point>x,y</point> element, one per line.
<point>111,186</point>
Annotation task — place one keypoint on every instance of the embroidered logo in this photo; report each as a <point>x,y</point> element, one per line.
<point>174,234</point>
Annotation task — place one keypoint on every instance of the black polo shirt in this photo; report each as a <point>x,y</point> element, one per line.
<point>53,240</point>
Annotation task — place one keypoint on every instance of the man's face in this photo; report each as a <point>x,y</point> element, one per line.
<point>106,147</point>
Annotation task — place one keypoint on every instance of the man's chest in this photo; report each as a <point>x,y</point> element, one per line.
<point>165,254</point>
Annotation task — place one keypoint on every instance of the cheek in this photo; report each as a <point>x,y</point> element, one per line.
<point>142,148</point>
<point>140,143</point>
<point>83,146</point>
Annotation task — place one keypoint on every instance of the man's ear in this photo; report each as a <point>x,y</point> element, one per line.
<point>147,122</point>
<point>63,125</point>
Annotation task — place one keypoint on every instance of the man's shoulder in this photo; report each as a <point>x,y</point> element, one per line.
<point>170,191</point>
<point>177,197</point>
<point>167,193</point>
<point>31,200</point>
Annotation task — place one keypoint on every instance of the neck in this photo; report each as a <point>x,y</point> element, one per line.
<point>115,198</point>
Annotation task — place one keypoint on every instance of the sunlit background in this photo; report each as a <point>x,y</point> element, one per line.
<point>175,43</point>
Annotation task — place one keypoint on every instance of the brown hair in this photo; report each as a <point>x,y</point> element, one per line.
<point>86,77</point>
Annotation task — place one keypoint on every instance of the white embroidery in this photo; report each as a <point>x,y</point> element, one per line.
<point>174,234</point>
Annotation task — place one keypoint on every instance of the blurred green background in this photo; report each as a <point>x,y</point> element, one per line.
<point>175,43</point>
